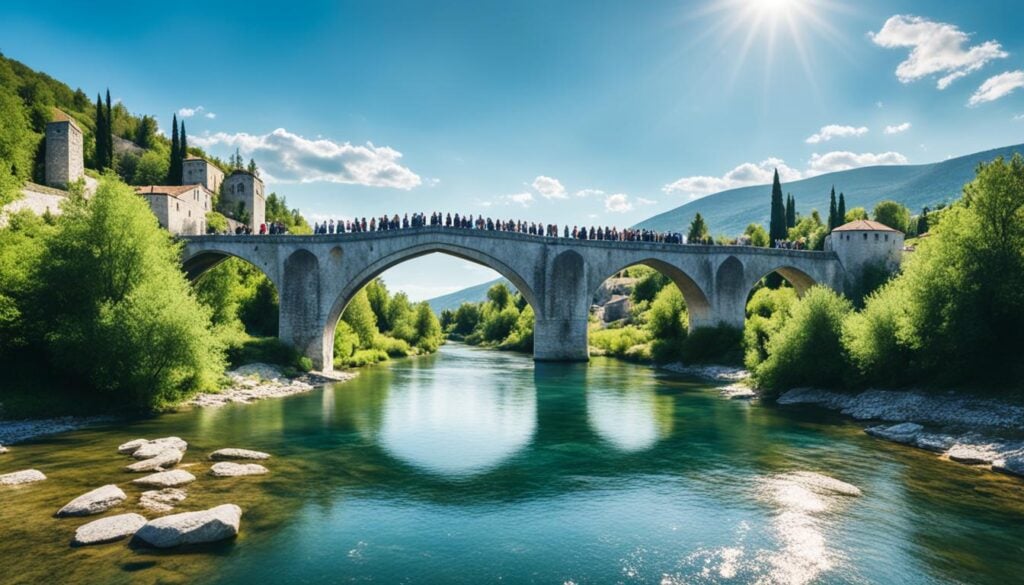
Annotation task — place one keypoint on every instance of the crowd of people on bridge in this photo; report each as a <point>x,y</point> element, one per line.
<point>470,222</point>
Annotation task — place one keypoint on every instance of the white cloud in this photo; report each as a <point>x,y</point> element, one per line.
<point>843,160</point>
<point>617,203</point>
<point>996,87</point>
<point>548,187</point>
<point>589,192</point>
<point>748,174</point>
<point>525,198</point>
<point>835,131</point>
<point>936,48</point>
<point>897,129</point>
<point>1019,117</point>
<point>742,176</point>
<point>645,201</point>
<point>287,157</point>
<point>189,112</point>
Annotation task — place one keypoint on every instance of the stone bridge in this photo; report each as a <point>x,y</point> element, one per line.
<point>316,276</point>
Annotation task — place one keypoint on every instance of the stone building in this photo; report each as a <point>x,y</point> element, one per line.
<point>180,209</point>
<point>861,243</point>
<point>64,151</point>
<point>243,191</point>
<point>199,171</point>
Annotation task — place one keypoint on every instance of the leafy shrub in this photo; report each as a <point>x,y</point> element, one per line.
<point>721,345</point>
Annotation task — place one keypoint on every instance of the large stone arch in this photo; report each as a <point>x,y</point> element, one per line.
<point>363,277</point>
<point>699,308</point>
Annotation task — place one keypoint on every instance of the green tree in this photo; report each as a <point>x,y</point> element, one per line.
<point>108,135</point>
<point>777,226</point>
<point>116,308</point>
<point>841,211</point>
<point>833,221</point>
<point>807,350</point>
<point>758,237</point>
<point>151,169</point>
<point>378,297</point>
<point>361,318</point>
<point>17,146</point>
<point>101,142</point>
<point>499,295</point>
<point>790,211</point>
<point>174,166</point>
<point>893,214</point>
<point>698,231</point>
<point>428,328</point>
<point>922,222</point>
<point>145,134</point>
<point>855,214</point>
<point>182,153</point>
<point>467,317</point>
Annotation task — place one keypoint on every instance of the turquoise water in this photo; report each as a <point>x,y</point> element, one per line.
<point>474,466</point>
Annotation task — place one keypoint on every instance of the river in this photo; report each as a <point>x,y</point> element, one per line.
<point>477,466</point>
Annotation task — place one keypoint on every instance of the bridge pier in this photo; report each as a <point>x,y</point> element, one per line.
<point>560,340</point>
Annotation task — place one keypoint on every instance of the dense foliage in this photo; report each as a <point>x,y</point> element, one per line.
<point>98,299</point>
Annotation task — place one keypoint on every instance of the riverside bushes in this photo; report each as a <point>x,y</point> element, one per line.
<point>98,299</point>
<point>954,316</point>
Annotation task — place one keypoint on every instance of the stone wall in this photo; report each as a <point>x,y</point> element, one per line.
<point>246,188</point>
<point>37,199</point>
<point>184,214</point>
<point>196,171</point>
<point>857,249</point>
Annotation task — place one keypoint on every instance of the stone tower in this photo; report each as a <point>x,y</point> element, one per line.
<point>865,244</point>
<point>245,189</point>
<point>198,171</point>
<point>64,163</point>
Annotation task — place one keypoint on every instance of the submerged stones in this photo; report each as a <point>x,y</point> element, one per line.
<point>1012,464</point>
<point>225,454</point>
<point>108,529</point>
<point>155,447</point>
<point>227,469</point>
<point>97,501</point>
<point>166,479</point>
<point>905,433</point>
<point>211,525</point>
<point>131,446</point>
<point>22,477</point>
<point>163,460</point>
<point>162,500</point>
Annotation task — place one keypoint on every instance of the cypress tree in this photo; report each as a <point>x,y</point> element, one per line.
<point>922,222</point>
<point>777,227</point>
<point>182,153</point>
<point>841,211</point>
<point>174,170</point>
<point>790,211</point>
<point>698,230</point>
<point>101,143</point>
<point>108,133</point>
<point>832,210</point>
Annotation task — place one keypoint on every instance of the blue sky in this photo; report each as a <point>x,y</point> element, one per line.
<point>580,112</point>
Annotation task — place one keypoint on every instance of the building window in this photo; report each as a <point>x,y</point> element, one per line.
<point>886,237</point>
<point>876,237</point>
<point>865,236</point>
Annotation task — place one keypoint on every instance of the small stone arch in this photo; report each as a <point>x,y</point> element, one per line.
<point>381,265</point>
<point>800,279</point>
<point>698,305</point>
<point>198,263</point>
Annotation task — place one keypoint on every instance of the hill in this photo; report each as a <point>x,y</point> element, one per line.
<point>473,294</point>
<point>916,186</point>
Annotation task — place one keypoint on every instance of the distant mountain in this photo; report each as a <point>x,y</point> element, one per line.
<point>473,294</point>
<point>729,212</point>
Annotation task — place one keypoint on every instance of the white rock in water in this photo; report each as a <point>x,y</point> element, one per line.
<point>20,477</point>
<point>166,459</point>
<point>166,479</point>
<point>934,442</point>
<point>97,501</point>
<point>155,447</point>
<point>3,449</point>
<point>131,446</point>
<point>108,529</point>
<point>819,483</point>
<point>1012,464</point>
<point>222,454</point>
<point>162,500</point>
<point>901,433</point>
<point>226,469</point>
<point>972,454</point>
<point>192,527</point>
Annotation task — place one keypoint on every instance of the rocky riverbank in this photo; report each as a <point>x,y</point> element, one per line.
<point>249,383</point>
<point>737,379</point>
<point>253,382</point>
<point>974,431</point>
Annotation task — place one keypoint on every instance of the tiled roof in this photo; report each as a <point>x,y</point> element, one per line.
<point>62,116</point>
<point>864,225</point>
<point>170,190</point>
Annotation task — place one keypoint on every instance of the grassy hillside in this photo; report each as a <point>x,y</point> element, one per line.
<point>473,294</point>
<point>915,186</point>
